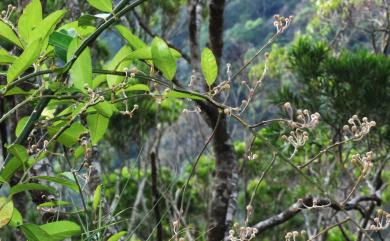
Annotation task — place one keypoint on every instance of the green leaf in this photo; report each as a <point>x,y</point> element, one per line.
<point>19,152</point>
<point>61,42</point>
<point>21,124</point>
<point>117,236</point>
<point>97,125</point>
<point>6,58</point>
<point>61,230</point>
<point>144,53</point>
<point>133,40</point>
<point>138,87</point>
<point>180,95</point>
<point>46,27</point>
<point>10,168</point>
<point>163,59</point>
<point>7,33</point>
<point>6,210</point>
<point>209,66</point>
<point>16,219</point>
<point>30,186</point>
<point>31,17</point>
<point>97,197</point>
<point>105,108</point>
<point>17,91</point>
<point>102,5</point>
<point>24,61</point>
<point>54,204</point>
<point>81,71</point>
<point>34,233</point>
<point>70,136</point>
<point>65,182</point>
<point>118,63</point>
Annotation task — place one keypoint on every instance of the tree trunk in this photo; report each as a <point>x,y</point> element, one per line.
<point>222,203</point>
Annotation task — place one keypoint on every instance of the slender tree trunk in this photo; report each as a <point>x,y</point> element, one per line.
<point>222,203</point>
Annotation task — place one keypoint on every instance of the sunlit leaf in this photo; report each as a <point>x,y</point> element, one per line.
<point>61,230</point>
<point>35,233</point>
<point>132,39</point>
<point>117,236</point>
<point>18,151</point>
<point>209,66</point>
<point>31,17</point>
<point>7,33</point>
<point>25,60</point>
<point>46,27</point>
<point>163,59</point>
<point>70,136</point>
<point>30,186</point>
<point>16,219</point>
<point>65,182</point>
<point>138,87</point>
<point>81,71</point>
<point>97,197</point>
<point>54,204</point>
<point>181,95</point>
<point>6,210</point>
<point>102,5</point>
<point>97,125</point>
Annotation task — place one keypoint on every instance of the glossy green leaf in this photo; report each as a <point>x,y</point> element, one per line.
<point>35,233</point>
<point>16,219</point>
<point>24,61</point>
<point>70,136</point>
<point>97,125</point>
<point>6,210</point>
<point>97,197</point>
<point>138,87</point>
<point>61,230</point>
<point>117,236</point>
<point>65,182</point>
<point>7,33</point>
<point>102,5</point>
<point>61,42</point>
<point>46,27</point>
<point>163,59</point>
<point>54,204</point>
<point>209,66</point>
<point>132,39</point>
<point>19,152</point>
<point>81,71</point>
<point>30,186</point>
<point>31,17</point>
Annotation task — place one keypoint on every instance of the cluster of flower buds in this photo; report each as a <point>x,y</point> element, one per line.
<point>357,128</point>
<point>130,113</point>
<point>304,119</point>
<point>242,233</point>
<point>364,163</point>
<point>292,236</point>
<point>5,14</point>
<point>296,138</point>
<point>381,221</point>
<point>282,23</point>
